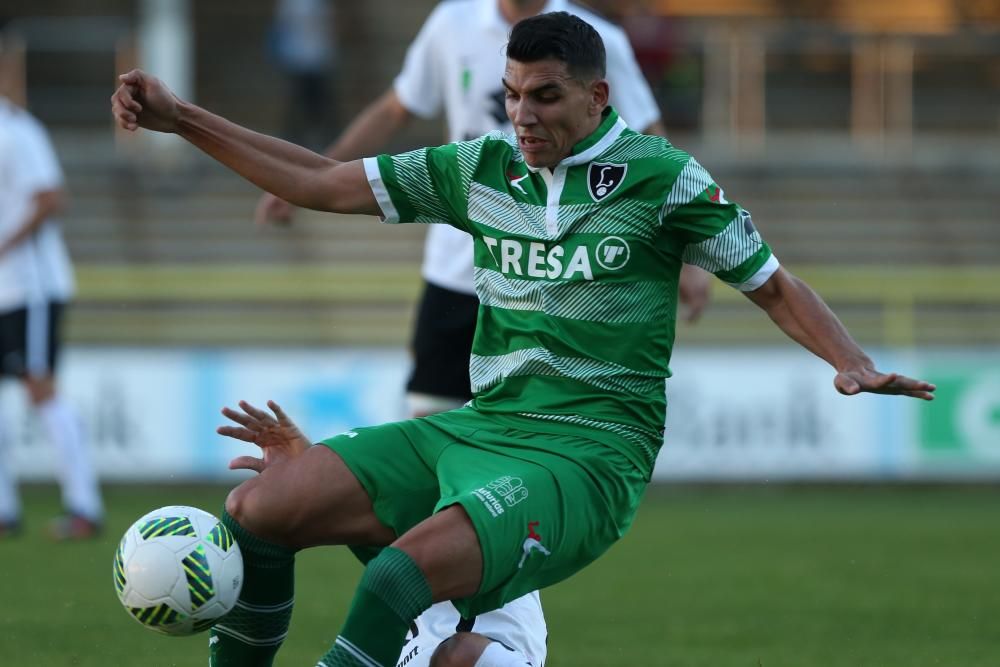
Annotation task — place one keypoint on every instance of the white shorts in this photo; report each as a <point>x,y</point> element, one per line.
<point>519,625</point>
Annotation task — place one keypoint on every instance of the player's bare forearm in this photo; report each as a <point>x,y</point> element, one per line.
<point>803,315</point>
<point>806,319</point>
<point>371,129</point>
<point>291,172</point>
<point>272,164</point>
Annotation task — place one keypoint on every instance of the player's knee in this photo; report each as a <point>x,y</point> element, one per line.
<point>462,649</point>
<point>250,506</point>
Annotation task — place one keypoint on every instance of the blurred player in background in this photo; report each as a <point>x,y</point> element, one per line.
<point>456,63</point>
<point>36,283</point>
<point>303,46</point>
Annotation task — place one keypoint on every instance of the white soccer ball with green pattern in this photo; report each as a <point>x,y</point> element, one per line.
<point>178,570</point>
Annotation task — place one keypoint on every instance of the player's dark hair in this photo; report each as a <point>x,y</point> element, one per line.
<point>559,36</point>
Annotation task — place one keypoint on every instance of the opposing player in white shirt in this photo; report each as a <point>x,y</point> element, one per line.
<point>36,282</point>
<point>456,64</point>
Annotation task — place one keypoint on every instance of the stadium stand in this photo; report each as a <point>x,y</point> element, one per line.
<point>900,236</point>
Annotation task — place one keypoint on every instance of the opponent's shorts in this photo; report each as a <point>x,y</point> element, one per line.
<point>29,340</point>
<point>442,343</point>
<point>518,629</point>
<point>544,503</point>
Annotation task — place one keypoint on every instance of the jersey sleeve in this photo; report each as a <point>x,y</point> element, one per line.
<point>419,86</point>
<point>428,185</point>
<point>718,235</point>
<point>630,93</point>
<point>38,168</point>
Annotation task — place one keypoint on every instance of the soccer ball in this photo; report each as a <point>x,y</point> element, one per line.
<point>178,570</point>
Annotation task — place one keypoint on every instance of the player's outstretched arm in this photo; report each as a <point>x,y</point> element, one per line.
<point>291,172</point>
<point>805,318</point>
<point>367,134</point>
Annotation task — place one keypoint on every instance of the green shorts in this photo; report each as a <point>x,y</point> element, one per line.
<point>543,504</point>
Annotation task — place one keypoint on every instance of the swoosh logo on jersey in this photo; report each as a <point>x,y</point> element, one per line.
<point>516,182</point>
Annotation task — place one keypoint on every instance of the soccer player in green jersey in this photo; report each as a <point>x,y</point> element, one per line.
<point>581,226</point>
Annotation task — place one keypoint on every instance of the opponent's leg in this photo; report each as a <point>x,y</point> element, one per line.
<point>10,503</point>
<point>311,500</point>
<point>81,495</point>
<point>471,649</point>
<point>462,649</point>
<point>439,559</point>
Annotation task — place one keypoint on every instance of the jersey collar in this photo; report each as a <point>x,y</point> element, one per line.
<point>594,144</point>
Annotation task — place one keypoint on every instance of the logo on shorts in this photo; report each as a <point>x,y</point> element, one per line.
<point>604,178</point>
<point>532,543</point>
<point>510,490</point>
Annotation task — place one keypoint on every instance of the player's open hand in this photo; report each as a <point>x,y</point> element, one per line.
<point>870,380</point>
<point>273,210</point>
<point>278,436</point>
<point>144,101</point>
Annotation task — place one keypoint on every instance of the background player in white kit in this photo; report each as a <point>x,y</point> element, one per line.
<point>456,62</point>
<point>36,282</point>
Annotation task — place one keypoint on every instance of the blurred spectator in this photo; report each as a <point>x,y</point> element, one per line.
<point>303,45</point>
<point>36,282</point>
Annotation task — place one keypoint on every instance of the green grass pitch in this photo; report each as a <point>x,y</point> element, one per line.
<point>709,576</point>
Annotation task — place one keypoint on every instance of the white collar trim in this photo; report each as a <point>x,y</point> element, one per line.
<point>586,156</point>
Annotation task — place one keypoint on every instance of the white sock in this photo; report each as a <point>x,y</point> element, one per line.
<point>80,492</point>
<point>10,503</point>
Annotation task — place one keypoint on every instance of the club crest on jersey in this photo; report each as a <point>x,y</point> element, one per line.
<point>604,178</point>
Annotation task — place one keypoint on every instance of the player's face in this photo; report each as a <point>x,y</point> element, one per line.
<point>551,111</point>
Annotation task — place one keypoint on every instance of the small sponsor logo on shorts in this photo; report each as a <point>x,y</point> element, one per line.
<point>510,488</point>
<point>489,501</point>
<point>506,490</point>
<point>532,543</point>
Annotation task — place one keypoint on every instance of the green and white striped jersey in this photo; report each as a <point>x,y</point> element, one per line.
<point>577,270</point>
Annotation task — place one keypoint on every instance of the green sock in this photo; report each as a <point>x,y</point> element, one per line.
<point>251,634</point>
<point>393,591</point>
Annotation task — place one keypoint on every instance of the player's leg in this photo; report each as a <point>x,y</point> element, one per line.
<point>517,629</point>
<point>312,500</point>
<point>10,504</point>
<point>436,555</point>
<point>439,559</point>
<point>542,516</point>
<point>471,649</point>
<point>444,556</point>
<point>442,343</point>
<point>518,626</point>
<point>308,501</point>
<point>81,494</point>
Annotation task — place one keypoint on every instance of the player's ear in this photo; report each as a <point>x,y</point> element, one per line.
<point>600,93</point>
